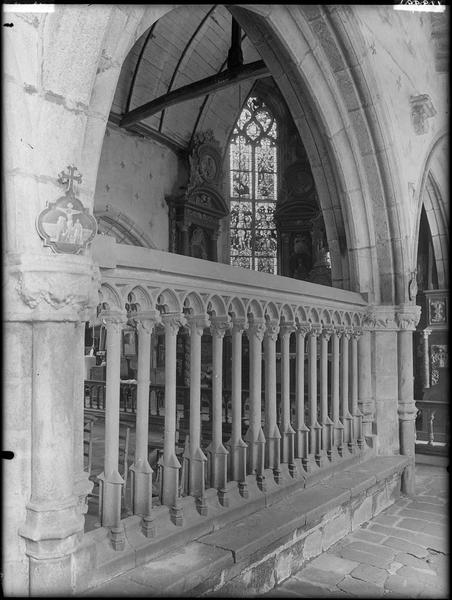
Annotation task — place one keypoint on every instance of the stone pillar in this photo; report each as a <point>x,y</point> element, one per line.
<point>355,411</point>
<point>141,469</point>
<point>314,427</point>
<point>171,465</point>
<point>326,422</point>
<point>347,419</point>
<point>255,436</point>
<point>237,447</point>
<point>197,459</point>
<point>407,318</point>
<point>425,358</point>
<point>272,434</point>
<point>218,453</point>
<point>338,428</point>
<point>287,432</point>
<point>301,430</point>
<point>366,401</point>
<point>380,319</point>
<point>215,235</point>
<point>82,485</point>
<point>183,228</point>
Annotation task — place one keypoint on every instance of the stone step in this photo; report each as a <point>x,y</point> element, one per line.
<point>261,549</point>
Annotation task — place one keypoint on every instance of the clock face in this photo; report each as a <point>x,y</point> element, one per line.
<point>208,167</point>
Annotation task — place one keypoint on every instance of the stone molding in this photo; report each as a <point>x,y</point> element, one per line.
<point>391,318</point>
<point>50,288</point>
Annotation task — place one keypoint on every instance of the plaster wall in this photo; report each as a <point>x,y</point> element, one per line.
<point>134,176</point>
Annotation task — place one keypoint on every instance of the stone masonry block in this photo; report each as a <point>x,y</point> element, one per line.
<point>313,545</point>
<point>336,529</point>
<point>361,510</point>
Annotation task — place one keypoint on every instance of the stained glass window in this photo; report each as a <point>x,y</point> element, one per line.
<point>253,188</point>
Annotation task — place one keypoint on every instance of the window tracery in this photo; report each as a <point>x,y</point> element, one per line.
<point>253,188</point>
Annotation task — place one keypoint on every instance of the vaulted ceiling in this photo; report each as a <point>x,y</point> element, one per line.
<point>186,45</point>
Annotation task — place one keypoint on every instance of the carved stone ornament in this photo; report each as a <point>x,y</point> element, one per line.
<point>421,110</point>
<point>66,225</point>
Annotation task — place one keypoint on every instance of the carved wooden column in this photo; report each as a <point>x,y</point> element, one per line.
<point>237,447</point>
<point>338,427</point>
<point>171,465</point>
<point>255,436</point>
<point>141,469</point>
<point>314,427</point>
<point>365,398</point>
<point>272,435</point>
<point>218,453</point>
<point>287,432</point>
<point>197,459</point>
<point>301,430</point>
<point>407,318</point>
<point>112,481</point>
<point>347,419</point>
<point>425,358</point>
<point>355,411</point>
<point>326,422</point>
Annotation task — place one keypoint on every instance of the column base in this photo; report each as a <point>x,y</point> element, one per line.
<point>148,527</point>
<point>243,489</point>
<point>201,505</point>
<point>177,515</point>
<point>117,538</point>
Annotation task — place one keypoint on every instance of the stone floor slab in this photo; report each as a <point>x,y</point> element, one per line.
<point>370,574</point>
<point>375,549</point>
<point>335,564</point>
<point>420,525</point>
<point>398,544</point>
<point>313,575</point>
<point>412,561</point>
<point>364,557</point>
<point>368,536</point>
<point>362,589</point>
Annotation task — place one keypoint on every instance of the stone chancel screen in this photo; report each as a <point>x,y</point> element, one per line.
<point>253,188</point>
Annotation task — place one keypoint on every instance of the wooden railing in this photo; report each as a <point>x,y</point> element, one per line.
<point>300,410</point>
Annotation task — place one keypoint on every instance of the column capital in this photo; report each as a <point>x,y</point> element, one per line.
<point>113,319</point>
<point>303,328</point>
<point>286,329</point>
<point>145,321</point>
<point>356,332</point>
<point>347,332</point>
<point>407,316</point>
<point>338,331</point>
<point>173,321</point>
<point>219,325</point>
<point>327,332</point>
<point>256,328</point>
<point>272,329</point>
<point>239,324</point>
<point>197,323</point>
<point>426,333</point>
<point>315,330</point>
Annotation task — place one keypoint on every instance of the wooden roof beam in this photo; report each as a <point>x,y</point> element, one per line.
<point>202,87</point>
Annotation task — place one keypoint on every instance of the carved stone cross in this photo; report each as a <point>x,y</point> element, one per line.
<point>69,178</point>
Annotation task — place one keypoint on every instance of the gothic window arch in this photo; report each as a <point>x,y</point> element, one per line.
<point>253,156</point>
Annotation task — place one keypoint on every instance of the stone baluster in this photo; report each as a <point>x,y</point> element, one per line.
<point>272,435</point>
<point>141,469</point>
<point>287,432</point>
<point>237,447</point>
<point>217,451</point>
<point>365,400</point>
<point>314,427</point>
<point>197,460</point>
<point>425,358</point>
<point>171,465</point>
<point>355,411</point>
<point>338,428</point>
<point>301,430</point>
<point>255,436</point>
<point>326,422</point>
<point>407,318</point>
<point>111,480</point>
<point>347,419</point>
